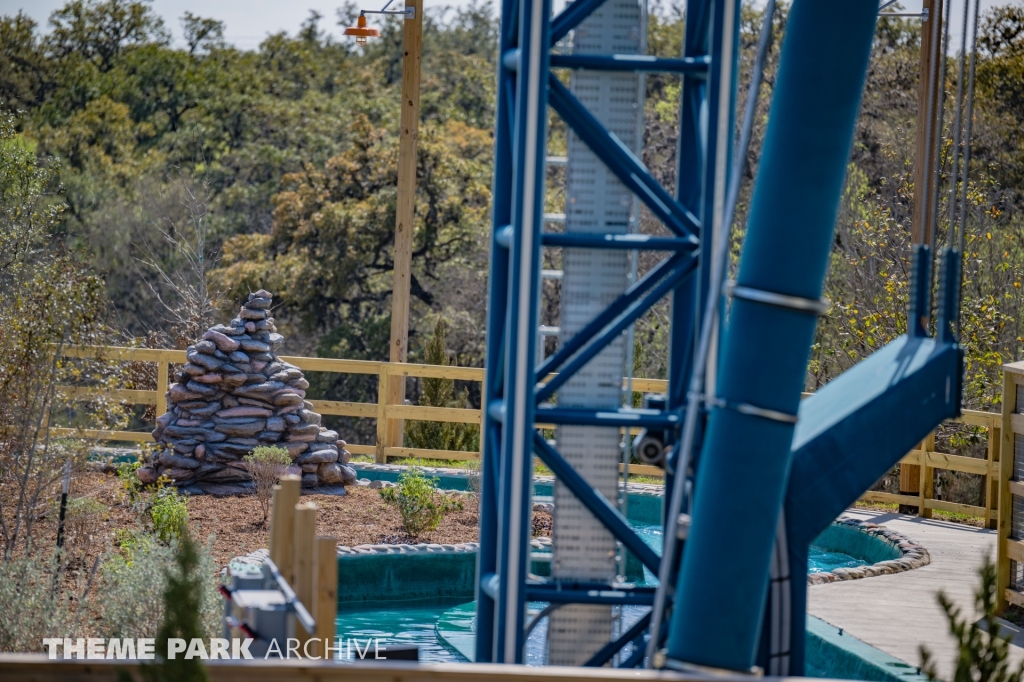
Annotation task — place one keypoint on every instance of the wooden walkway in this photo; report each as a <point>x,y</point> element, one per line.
<point>899,613</point>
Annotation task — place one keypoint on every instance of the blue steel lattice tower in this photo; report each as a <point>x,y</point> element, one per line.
<point>589,360</point>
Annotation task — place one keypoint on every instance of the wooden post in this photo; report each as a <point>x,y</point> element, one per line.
<point>303,542</point>
<point>992,478</point>
<point>928,99</point>
<point>383,398</point>
<point>282,525</point>
<point>1012,375</point>
<point>325,589</point>
<point>412,49</point>
<point>927,481</point>
<point>162,369</point>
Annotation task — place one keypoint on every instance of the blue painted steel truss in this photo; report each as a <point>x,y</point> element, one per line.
<point>515,392</point>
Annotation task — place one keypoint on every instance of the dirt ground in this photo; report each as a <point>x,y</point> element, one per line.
<point>235,523</point>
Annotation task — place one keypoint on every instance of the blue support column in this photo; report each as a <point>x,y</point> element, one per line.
<point>487,558</point>
<point>529,146</point>
<point>745,462</point>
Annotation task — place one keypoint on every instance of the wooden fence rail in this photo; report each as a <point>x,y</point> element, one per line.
<point>385,413</point>
<point>381,410</point>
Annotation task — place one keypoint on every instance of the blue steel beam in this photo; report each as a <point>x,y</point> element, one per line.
<point>529,144</point>
<point>571,16</point>
<point>625,242</point>
<point>743,470</point>
<point>612,331</point>
<point>606,316</point>
<point>601,508</point>
<point>621,161</point>
<point>631,62</point>
<point>850,432</point>
<point>556,593</point>
<point>494,362</point>
<point>611,648</point>
<point>642,418</point>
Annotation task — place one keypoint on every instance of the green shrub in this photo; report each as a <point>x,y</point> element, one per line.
<point>983,647</point>
<point>169,514</point>
<point>441,393</point>
<point>33,604</point>
<point>135,584</point>
<point>265,466</point>
<point>421,505</point>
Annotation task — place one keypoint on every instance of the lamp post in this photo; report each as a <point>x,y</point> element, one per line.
<point>412,47</point>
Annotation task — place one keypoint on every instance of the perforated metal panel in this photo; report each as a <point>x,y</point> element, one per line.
<point>596,202</point>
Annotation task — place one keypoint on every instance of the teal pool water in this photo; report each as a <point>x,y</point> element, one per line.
<point>821,560</point>
<point>394,623</point>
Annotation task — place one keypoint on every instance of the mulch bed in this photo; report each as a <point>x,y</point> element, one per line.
<point>234,524</point>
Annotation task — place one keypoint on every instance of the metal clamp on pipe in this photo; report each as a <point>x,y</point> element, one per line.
<point>810,305</point>
<point>754,410</point>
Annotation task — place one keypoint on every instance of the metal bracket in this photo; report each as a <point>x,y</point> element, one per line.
<point>753,410</point>
<point>809,305</point>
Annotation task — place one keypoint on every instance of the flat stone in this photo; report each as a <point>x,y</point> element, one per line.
<point>178,473</point>
<point>308,416</point>
<point>261,391</point>
<point>202,389</point>
<point>292,419</point>
<point>205,347</point>
<point>327,437</point>
<point>250,314</point>
<point>286,374</point>
<point>226,489</point>
<point>276,424</point>
<point>258,302</point>
<point>239,357</point>
<point>317,457</point>
<point>309,468</point>
<point>310,429</point>
<point>209,378</point>
<point>275,339</point>
<point>194,370</point>
<point>227,474</point>
<point>245,411</point>
<point>309,480</point>
<point>300,384</point>
<point>224,343</point>
<point>295,448</point>
<point>230,331</point>
<point>178,393</point>
<point>211,408</point>
<point>284,399</point>
<point>170,460</point>
<point>250,327</point>
<point>300,438</point>
<point>249,429</point>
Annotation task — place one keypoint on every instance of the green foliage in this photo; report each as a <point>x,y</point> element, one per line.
<point>265,466</point>
<point>169,513</point>
<point>983,649</point>
<point>441,393</point>
<point>48,300</point>
<point>419,502</point>
<point>32,603</point>
<point>183,602</point>
<point>135,588</point>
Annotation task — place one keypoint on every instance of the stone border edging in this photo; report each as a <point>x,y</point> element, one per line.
<point>912,556</point>
<point>256,557</point>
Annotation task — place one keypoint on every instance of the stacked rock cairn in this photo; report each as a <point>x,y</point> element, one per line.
<point>235,394</point>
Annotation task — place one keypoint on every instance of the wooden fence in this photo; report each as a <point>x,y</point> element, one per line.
<point>384,413</point>
<point>381,410</point>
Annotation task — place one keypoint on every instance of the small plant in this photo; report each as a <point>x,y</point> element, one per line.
<point>421,505</point>
<point>441,393</point>
<point>983,649</point>
<point>82,521</point>
<point>170,515</point>
<point>265,466</point>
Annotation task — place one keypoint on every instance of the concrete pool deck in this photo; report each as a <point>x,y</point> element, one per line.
<point>898,613</point>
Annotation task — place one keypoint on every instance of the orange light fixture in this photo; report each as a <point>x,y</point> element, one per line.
<point>361,31</point>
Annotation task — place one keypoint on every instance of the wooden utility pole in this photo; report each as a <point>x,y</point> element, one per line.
<point>412,48</point>
<point>929,96</point>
